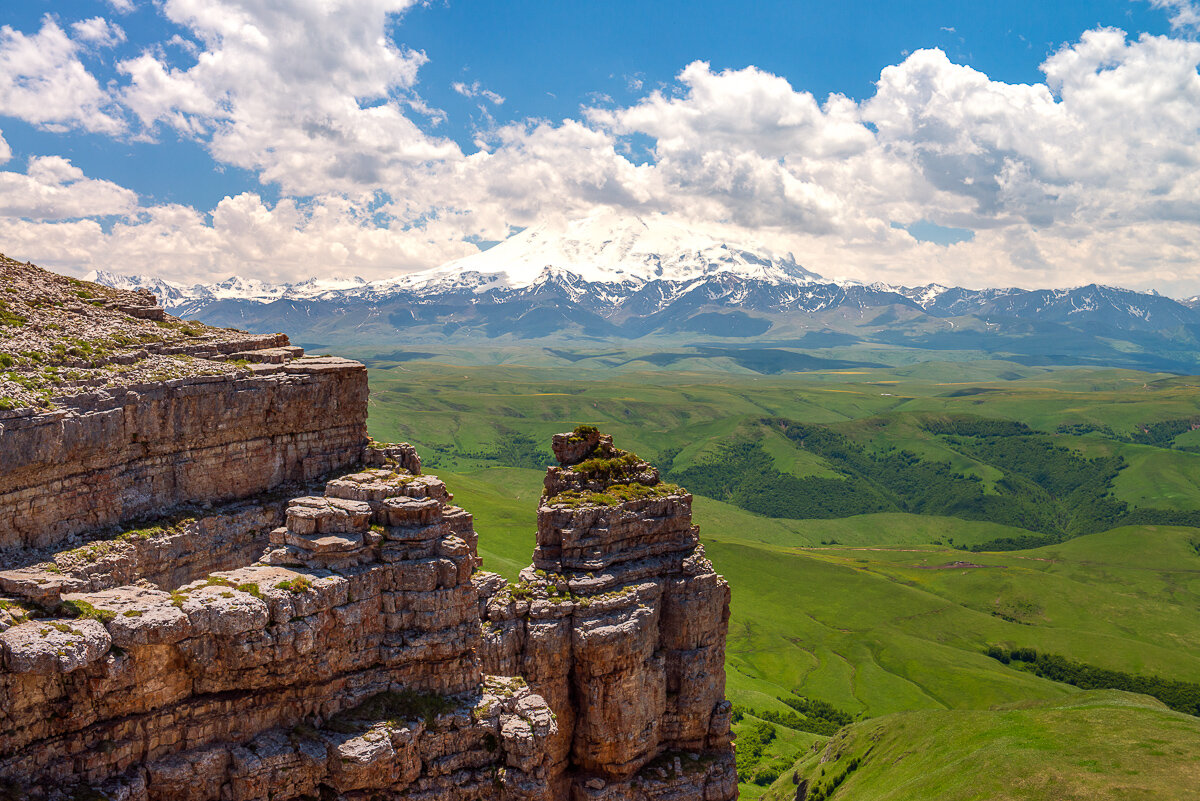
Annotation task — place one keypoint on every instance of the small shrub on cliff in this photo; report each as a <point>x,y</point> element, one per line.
<point>11,318</point>
<point>520,591</point>
<point>83,609</point>
<point>298,585</point>
<point>395,707</point>
<point>583,432</point>
<point>19,611</point>
<point>614,495</point>
<point>602,467</point>
<point>251,588</point>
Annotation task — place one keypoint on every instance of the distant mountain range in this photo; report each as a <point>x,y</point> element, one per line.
<point>608,279</point>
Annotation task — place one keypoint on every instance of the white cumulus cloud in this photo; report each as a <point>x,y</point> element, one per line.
<point>1090,174</point>
<point>243,235</point>
<point>1184,14</point>
<point>44,82</point>
<point>52,188</point>
<point>310,95</point>
<point>98,31</point>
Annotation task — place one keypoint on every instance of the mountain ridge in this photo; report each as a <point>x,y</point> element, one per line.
<point>606,278</point>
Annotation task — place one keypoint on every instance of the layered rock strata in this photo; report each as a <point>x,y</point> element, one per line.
<point>214,587</point>
<point>188,545</point>
<point>112,411</point>
<point>343,663</point>
<point>119,455</point>
<point>620,624</point>
<point>365,656</point>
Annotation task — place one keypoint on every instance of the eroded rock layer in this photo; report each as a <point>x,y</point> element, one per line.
<point>112,410</point>
<point>620,625</point>
<point>344,661</point>
<point>365,656</point>
<point>214,587</point>
<point>121,455</point>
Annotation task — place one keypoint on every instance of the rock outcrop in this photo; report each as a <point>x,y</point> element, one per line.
<point>620,625</point>
<point>120,455</point>
<point>344,661</point>
<point>308,618</point>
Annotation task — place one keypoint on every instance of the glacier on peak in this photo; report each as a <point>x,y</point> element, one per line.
<point>607,248</point>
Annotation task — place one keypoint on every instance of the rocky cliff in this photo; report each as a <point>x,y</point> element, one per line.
<point>306,616</point>
<point>620,625</point>
<point>111,410</point>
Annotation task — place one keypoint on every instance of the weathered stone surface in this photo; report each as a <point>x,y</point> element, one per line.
<point>575,446</point>
<point>620,624</point>
<point>207,668</point>
<point>363,655</point>
<point>54,646</point>
<point>135,452</point>
<point>139,616</point>
<point>164,553</point>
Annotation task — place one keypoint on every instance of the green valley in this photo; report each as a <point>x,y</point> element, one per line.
<point>881,530</point>
<point>1099,744</point>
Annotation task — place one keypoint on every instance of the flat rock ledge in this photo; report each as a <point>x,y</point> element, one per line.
<point>363,654</point>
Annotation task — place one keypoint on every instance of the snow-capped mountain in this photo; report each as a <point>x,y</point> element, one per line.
<point>603,248</point>
<point>617,278</point>
<point>173,295</point>
<point>169,294</point>
<point>606,248</point>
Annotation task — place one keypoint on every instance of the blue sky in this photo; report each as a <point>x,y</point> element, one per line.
<point>1004,142</point>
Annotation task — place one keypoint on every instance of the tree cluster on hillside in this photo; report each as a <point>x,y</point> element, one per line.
<point>744,474</point>
<point>1046,488</point>
<point>1182,696</point>
<point>1161,434</point>
<point>513,449</point>
<point>809,715</point>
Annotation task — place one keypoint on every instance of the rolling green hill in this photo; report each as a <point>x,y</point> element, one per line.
<point>1099,744</point>
<point>884,610</point>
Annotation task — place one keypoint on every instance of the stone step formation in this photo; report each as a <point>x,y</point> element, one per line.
<point>620,624</point>
<point>344,659</point>
<point>215,587</point>
<point>365,655</point>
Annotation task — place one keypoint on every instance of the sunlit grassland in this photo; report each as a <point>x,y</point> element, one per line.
<point>880,623</point>
<point>872,613</point>
<point>1090,745</point>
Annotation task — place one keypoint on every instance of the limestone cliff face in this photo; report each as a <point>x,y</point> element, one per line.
<point>306,617</point>
<point>105,458</point>
<point>364,656</point>
<point>342,664</point>
<point>112,410</point>
<point>620,625</point>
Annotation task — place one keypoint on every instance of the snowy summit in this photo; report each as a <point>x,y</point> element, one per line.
<point>609,248</point>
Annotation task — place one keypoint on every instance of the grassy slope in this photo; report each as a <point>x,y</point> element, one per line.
<point>1100,744</point>
<point>873,629</point>
<point>783,750</point>
<point>1159,478</point>
<point>504,502</point>
<point>865,625</point>
<point>876,632</point>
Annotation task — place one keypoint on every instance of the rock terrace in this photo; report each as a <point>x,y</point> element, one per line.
<point>215,587</point>
<point>365,655</point>
<point>60,336</point>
